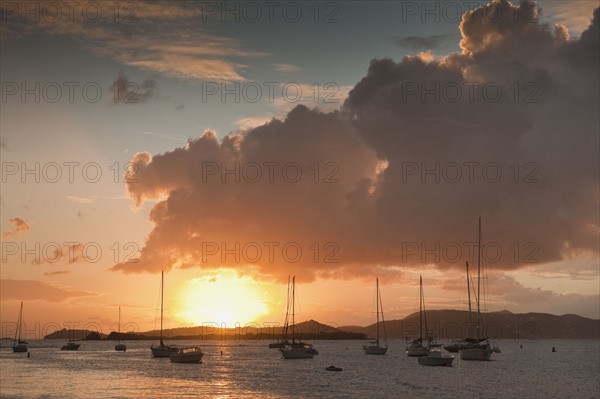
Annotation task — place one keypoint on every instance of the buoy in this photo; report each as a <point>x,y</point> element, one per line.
<point>553,349</point>
<point>28,354</point>
<point>521,346</point>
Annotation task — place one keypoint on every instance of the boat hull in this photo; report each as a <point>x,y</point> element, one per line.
<point>20,348</point>
<point>296,353</point>
<point>120,348</point>
<point>189,357</point>
<point>436,361</point>
<point>374,350</point>
<point>417,352</point>
<point>482,353</point>
<point>163,351</point>
<point>70,347</point>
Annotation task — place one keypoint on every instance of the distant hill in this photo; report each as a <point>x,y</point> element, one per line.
<point>500,325</point>
<point>310,329</point>
<point>306,330</point>
<point>445,324</point>
<point>75,335</point>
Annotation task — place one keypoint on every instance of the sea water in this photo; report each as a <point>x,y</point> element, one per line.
<point>242,369</point>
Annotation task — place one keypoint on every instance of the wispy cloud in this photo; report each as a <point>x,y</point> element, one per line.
<point>146,41</point>
<point>286,68</point>
<point>79,200</point>
<point>128,92</point>
<point>56,273</point>
<point>18,226</point>
<point>32,290</point>
<point>424,42</point>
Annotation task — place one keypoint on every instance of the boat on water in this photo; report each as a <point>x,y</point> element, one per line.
<point>70,346</point>
<point>482,349</point>
<point>294,349</point>
<point>420,346</point>
<point>162,350</point>
<point>120,347</point>
<point>435,357</point>
<point>374,347</point>
<point>468,342</point>
<point>190,354</point>
<point>18,345</point>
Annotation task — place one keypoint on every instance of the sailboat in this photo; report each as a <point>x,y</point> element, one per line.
<point>481,348</point>
<point>120,347</point>
<point>469,341</point>
<point>420,346</point>
<point>71,345</point>
<point>294,350</point>
<point>162,350</point>
<point>18,345</point>
<point>374,348</point>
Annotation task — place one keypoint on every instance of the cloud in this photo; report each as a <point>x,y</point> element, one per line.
<point>19,226</point>
<point>128,92</point>
<point>57,272</point>
<point>504,290</point>
<point>574,14</point>
<point>32,290</point>
<point>396,178</point>
<point>143,37</point>
<point>286,68</point>
<point>252,122</point>
<point>79,200</point>
<point>424,42</point>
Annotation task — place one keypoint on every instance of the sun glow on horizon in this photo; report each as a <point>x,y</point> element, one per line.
<point>221,298</point>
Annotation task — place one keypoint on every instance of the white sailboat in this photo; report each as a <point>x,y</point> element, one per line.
<point>435,357</point>
<point>420,346</point>
<point>293,349</point>
<point>374,348</point>
<point>162,350</point>
<point>120,347</point>
<point>481,349</point>
<point>18,345</point>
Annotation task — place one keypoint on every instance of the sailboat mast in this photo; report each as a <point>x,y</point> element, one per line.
<point>287,312</point>
<point>420,308</point>
<point>478,275</point>
<point>18,332</point>
<point>162,287</point>
<point>424,311</point>
<point>377,311</point>
<point>294,309</point>
<point>469,297</point>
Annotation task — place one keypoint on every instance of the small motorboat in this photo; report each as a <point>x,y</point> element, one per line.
<point>436,358</point>
<point>191,354</point>
<point>333,368</point>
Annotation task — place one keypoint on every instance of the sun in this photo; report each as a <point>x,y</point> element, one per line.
<point>221,298</point>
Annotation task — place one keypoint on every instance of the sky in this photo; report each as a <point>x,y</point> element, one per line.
<point>235,144</point>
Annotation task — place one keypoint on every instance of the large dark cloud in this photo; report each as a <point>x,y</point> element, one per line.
<point>544,125</point>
